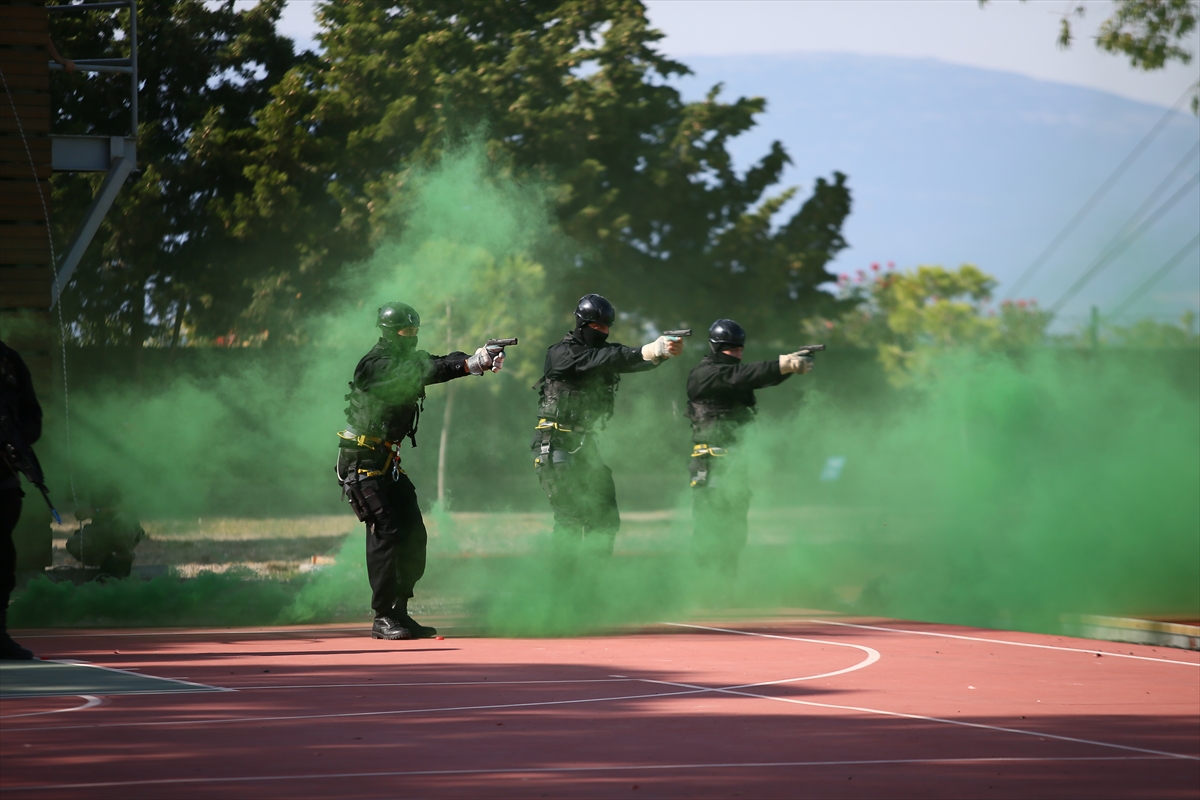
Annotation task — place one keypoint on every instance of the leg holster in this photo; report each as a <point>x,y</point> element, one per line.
<point>702,462</point>
<point>364,498</point>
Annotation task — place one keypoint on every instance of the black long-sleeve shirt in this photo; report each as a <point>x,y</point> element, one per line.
<point>388,385</point>
<point>580,381</point>
<point>20,404</point>
<point>721,395</point>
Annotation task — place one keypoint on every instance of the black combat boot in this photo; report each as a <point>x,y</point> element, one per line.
<point>419,631</point>
<point>10,650</point>
<point>388,627</point>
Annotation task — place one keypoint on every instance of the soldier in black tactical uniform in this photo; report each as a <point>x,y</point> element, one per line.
<point>577,392</point>
<point>24,417</point>
<point>720,403</point>
<point>386,397</point>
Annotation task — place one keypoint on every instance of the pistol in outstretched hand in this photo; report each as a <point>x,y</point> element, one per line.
<point>490,356</point>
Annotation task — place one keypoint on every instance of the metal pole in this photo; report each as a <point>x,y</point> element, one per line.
<point>133,57</point>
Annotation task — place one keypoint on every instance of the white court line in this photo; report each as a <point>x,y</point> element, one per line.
<point>351,714</point>
<point>216,632</point>
<point>872,653</point>
<point>203,687</point>
<point>92,702</point>
<point>571,770</point>
<point>963,723</point>
<point>872,657</point>
<point>1003,641</point>
<point>427,683</point>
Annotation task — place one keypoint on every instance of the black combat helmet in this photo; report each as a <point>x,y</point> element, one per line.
<point>724,334</point>
<point>398,315</point>
<point>594,308</point>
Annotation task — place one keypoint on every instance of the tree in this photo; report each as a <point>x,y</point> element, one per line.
<point>909,317</point>
<point>161,256</point>
<point>570,96</point>
<point>1151,33</point>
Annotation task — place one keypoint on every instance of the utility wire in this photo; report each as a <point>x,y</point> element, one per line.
<point>1159,274</point>
<point>1154,195</point>
<point>1095,198</point>
<point>1107,257</point>
<point>1136,217</point>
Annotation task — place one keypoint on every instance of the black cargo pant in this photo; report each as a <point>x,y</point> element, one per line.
<point>10,512</point>
<point>396,537</point>
<point>581,491</point>
<point>720,505</point>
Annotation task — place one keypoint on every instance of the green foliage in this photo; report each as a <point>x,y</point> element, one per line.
<point>161,254</point>
<point>1153,334</point>
<point>572,96</point>
<point>1150,32</point>
<point>911,317</point>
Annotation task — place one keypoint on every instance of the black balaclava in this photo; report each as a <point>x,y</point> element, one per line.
<point>590,336</point>
<point>404,345</point>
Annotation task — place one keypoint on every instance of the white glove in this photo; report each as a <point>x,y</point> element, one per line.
<point>662,348</point>
<point>487,357</point>
<point>795,362</point>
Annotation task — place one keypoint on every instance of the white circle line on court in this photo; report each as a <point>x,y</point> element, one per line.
<point>872,656</point>
<point>878,762</point>
<point>872,653</point>
<point>738,690</point>
<point>1002,641</point>
<point>91,701</point>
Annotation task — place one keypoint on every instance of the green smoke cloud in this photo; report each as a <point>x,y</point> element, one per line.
<point>995,490</point>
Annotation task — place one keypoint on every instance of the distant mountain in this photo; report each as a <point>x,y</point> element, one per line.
<point>952,164</point>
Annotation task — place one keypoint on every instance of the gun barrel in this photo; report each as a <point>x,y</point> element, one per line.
<point>502,342</point>
<point>683,332</point>
<point>812,348</point>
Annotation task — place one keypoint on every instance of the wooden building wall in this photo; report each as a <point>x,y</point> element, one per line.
<point>26,266</point>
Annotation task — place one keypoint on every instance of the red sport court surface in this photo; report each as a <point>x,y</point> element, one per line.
<point>788,706</point>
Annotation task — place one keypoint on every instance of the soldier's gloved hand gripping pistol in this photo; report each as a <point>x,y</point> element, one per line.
<point>490,356</point>
<point>800,361</point>
<point>668,345</point>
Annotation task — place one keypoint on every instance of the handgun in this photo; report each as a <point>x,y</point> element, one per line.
<point>685,332</point>
<point>809,349</point>
<point>501,342</point>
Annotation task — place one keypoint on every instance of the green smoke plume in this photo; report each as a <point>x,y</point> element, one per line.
<point>997,490</point>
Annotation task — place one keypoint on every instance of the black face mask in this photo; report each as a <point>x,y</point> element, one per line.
<point>592,337</point>
<point>404,345</point>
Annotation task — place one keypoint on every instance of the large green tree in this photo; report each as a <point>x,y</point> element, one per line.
<point>569,94</point>
<point>163,255</point>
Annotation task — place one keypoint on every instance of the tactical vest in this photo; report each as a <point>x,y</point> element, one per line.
<point>717,421</point>
<point>578,405</point>
<point>370,416</point>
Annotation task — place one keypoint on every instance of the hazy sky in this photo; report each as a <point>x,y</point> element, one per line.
<point>1006,35</point>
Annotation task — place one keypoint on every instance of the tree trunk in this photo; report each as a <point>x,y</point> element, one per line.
<point>446,416</point>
